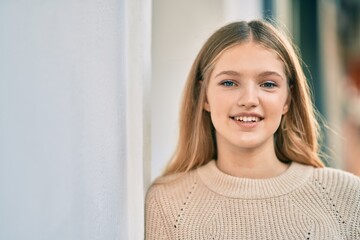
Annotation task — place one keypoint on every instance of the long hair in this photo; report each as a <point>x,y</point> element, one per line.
<point>297,137</point>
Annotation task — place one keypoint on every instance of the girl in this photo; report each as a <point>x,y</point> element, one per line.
<point>247,163</point>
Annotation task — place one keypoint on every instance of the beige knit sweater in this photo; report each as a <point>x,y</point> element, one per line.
<point>302,203</point>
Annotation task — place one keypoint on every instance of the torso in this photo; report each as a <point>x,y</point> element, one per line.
<point>299,204</point>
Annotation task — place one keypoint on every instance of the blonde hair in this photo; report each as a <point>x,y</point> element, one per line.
<point>297,137</point>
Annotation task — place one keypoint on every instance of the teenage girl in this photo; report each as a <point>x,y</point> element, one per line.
<point>247,163</point>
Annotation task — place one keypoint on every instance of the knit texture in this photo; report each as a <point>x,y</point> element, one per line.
<point>302,203</point>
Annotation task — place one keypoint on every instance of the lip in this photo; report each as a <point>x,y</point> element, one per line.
<point>250,124</point>
<point>246,125</point>
<point>247,114</point>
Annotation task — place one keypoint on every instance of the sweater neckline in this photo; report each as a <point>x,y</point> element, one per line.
<point>247,188</point>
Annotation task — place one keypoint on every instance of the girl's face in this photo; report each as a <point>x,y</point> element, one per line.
<point>246,97</point>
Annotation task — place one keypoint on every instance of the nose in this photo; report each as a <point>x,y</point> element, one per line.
<point>249,97</point>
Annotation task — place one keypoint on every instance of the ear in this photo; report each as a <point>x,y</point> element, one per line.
<point>206,106</point>
<point>286,107</point>
<point>288,101</point>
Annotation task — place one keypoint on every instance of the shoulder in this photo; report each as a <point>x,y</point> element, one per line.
<point>166,197</point>
<point>338,179</point>
<point>338,182</point>
<point>340,188</point>
<point>171,187</point>
<point>162,200</point>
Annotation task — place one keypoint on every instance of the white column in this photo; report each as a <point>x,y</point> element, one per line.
<point>74,81</point>
<point>138,76</point>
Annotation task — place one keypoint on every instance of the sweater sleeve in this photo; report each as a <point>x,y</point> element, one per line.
<point>154,219</point>
<point>342,192</point>
<point>355,221</point>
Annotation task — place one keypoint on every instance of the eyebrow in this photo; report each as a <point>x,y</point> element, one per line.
<point>236,74</point>
<point>268,73</point>
<point>228,72</point>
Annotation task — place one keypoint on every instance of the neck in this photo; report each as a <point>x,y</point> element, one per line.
<point>250,163</point>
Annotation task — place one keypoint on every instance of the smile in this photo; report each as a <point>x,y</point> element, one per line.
<point>247,119</point>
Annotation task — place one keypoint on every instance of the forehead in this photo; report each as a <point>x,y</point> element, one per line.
<point>248,58</point>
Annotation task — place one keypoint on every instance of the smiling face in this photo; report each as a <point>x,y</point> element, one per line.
<point>247,95</point>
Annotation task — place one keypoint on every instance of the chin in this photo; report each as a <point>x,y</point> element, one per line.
<point>247,145</point>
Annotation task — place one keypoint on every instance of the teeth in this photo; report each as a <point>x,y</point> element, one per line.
<point>247,119</point>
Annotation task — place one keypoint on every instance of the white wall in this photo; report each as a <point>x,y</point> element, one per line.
<point>179,29</point>
<point>65,105</point>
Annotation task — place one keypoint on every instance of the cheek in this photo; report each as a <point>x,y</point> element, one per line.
<point>220,111</point>
<point>216,112</point>
<point>220,103</point>
<point>275,106</point>
<point>278,103</point>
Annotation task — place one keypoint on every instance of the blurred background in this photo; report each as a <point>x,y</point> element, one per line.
<point>90,93</point>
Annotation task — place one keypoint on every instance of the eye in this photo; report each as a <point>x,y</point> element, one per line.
<point>228,83</point>
<point>268,84</point>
